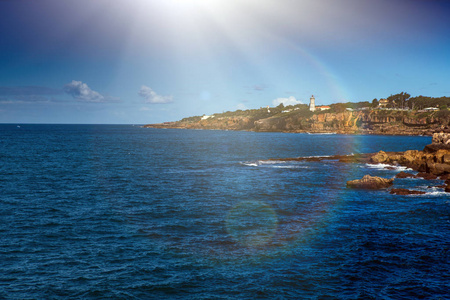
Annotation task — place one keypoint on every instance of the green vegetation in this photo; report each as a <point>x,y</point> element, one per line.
<point>401,103</point>
<point>191,119</point>
<point>404,100</point>
<point>341,107</point>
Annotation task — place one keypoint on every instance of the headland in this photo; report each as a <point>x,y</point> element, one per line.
<point>342,118</point>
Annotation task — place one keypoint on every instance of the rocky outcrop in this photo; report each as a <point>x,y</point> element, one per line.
<point>436,162</point>
<point>380,158</point>
<point>404,175</point>
<point>370,183</point>
<point>441,138</point>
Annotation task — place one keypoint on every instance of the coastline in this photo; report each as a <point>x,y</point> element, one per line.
<point>427,132</point>
<point>431,163</point>
<point>367,122</point>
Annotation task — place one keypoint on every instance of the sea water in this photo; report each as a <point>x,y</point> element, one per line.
<point>105,211</point>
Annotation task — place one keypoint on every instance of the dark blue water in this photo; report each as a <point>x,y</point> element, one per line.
<point>90,211</point>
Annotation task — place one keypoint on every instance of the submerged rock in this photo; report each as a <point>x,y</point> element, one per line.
<point>370,183</point>
<point>427,176</point>
<point>406,192</point>
<point>404,175</point>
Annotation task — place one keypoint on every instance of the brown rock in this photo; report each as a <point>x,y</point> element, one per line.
<point>427,176</point>
<point>404,175</point>
<point>431,148</point>
<point>406,192</point>
<point>439,169</point>
<point>410,156</point>
<point>380,157</point>
<point>444,177</point>
<point>370,183</point>
<point>447,188</point>
<point>446,158</point>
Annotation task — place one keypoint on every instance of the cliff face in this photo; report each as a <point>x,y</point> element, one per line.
<point>395,122</point>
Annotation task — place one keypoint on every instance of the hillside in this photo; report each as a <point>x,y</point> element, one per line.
<point>335,120</point>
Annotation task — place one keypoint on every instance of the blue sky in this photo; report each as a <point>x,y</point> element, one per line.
<point>149,61</point>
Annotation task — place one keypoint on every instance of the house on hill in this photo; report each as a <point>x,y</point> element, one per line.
<point>383,103</point>
<point>323,107</point>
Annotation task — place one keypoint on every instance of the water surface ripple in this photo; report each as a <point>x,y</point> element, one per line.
<point>104,211</point>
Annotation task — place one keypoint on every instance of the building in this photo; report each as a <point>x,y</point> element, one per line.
<point>431,109</point>
<point>323,107</point>
<point>383,103</point>
<point>312,103</point>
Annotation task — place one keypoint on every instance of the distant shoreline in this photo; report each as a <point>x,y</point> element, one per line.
<point>366,122</point>
<point>361,132</point>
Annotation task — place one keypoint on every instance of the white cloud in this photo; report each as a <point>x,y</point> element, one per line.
<point>286,101</point>
<point>81,91</point>
<point>153,98</point>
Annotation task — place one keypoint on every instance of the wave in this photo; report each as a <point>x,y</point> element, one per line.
<point>291,167</point>
<point>387,166</point>
<point>273,164</point>
<point>321,133</point>
<point>270,162</point>
<point>249,164</point>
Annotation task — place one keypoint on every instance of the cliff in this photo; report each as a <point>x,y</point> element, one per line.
<point>300,119</point>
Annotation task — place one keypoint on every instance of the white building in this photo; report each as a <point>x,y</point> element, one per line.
<point>312,104</point>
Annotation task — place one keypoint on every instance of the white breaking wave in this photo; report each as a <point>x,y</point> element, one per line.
<point>270,162</point>
<point>273,164</point>
<point>250,164</point>
<point>437,193</point>
<point>321,133</point>
<point>385,166</point>
<point>290,167</point>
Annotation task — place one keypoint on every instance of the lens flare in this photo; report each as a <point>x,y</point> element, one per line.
<point>252,223</point>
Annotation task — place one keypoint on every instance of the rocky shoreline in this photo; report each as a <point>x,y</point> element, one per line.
<point>378,122</point>
<point>433,162</point>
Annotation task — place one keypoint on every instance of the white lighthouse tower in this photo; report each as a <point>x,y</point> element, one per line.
<point>312,104</point>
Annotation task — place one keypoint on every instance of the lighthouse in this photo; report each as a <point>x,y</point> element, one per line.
<point>312,104</point>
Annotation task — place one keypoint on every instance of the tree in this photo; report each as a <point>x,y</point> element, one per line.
<point>338,107</point>
<point>400,99</point>
<point>374,102</point>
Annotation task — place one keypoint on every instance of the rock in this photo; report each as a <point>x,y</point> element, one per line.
<point>444,177</point>
<point>370,183</point>
<point>404,175</point>
<point>441,138</point>
<point>426,176</point>
<point>447,188</point>
<point>380,157</point>
<point>431,148</point>
<point>406,192</point>
<point>410,156</point>
<point>438,169</point>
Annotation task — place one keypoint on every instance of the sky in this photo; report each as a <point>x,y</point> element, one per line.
<point>151,61</point>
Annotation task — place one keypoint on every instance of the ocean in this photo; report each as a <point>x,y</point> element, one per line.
<point>125,212</point>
